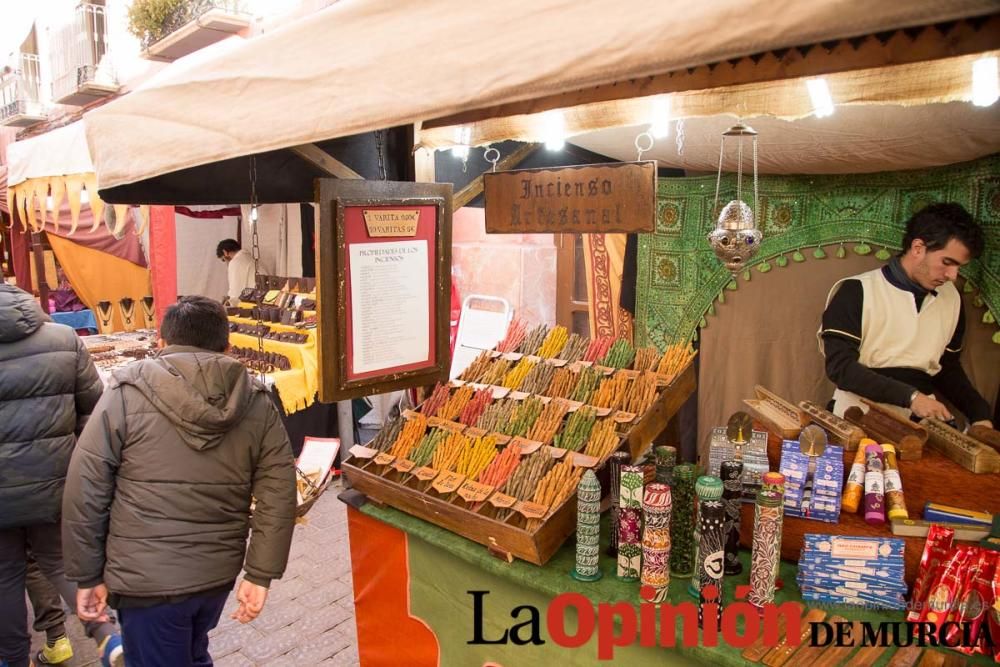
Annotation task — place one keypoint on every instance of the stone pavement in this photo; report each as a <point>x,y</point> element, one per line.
<point>309,615</point>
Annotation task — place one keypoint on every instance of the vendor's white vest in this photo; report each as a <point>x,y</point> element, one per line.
<point>895,334</point>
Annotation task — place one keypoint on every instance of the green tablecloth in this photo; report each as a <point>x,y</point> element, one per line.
<point>445,566</point>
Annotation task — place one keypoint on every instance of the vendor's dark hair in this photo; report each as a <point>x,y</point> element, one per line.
<point>227,245</point>
<point>937,224</point>
<point>196,321</point>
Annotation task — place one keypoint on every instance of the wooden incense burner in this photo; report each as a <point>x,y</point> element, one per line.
<point>964,450</point>
<point>777,414</point>
<point>840,430</point>
<point>887,426</point>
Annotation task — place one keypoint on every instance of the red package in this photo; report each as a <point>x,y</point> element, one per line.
<point>971,604</point>
<point>993,614</point>
<point>942,593</point>
<point>936,550</point>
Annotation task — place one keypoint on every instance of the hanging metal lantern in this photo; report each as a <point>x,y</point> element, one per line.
<point>736,238</point>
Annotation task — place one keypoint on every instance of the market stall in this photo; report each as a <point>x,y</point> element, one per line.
<point>511,459</point>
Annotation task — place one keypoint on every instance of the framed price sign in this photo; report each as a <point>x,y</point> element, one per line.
<point>383,286</point>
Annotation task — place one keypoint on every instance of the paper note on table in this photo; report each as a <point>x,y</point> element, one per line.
<point>390,305</point>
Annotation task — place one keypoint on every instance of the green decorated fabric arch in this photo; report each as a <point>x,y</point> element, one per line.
<point>679,277</point>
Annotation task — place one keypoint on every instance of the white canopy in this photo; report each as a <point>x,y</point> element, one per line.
<point>361,65</point>
<point>60,152</point>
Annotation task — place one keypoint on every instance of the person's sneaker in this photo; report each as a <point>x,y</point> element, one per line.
<point>59,652</point>
<point>112,652</point>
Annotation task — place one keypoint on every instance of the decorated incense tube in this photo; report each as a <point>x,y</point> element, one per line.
<point>630,523</point>
<point>775,482</point>
<point>615,463</point>
<point>765,555</point>
<point>854,488</point>
<point>732,494</point>
<point>874,486</point>
<point>711,547</point>
<point>656,507</point>
<point>666,459</point>
<point>588,528</point>
<point>894,501</point>
<point>682,522</point>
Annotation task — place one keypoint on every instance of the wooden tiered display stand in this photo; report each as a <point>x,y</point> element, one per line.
<point>932,478</point>
<point>512,536</point>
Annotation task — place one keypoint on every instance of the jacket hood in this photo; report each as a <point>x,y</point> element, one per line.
<point>20,314</point>
<point>204,394</point>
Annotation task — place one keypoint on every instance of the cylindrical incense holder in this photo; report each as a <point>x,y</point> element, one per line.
<point>666,459</point>
<point>854,488</point>
<point>894,500</point>
<point>766,553</point>
<point>656,506</point>
<point>588,528</point>
<point>773,481</point>
<point>732,498</point>
<point>682,522</point>
<point>711,547</point>
<point>630,523</point>
<point>874,486</point>
<point>615,463</point>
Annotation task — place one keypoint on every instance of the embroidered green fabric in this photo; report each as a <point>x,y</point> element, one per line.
<point>679,277</point>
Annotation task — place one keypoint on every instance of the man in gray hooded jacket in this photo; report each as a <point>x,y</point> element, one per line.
<point>158,496</point>
<point>48,387</point>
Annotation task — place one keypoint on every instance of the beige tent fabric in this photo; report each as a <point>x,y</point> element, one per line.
<point>358,66</point>
<point>945,80</point>
<point>765,333</point>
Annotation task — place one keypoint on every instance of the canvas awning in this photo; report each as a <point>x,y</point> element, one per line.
<point>359,66</point>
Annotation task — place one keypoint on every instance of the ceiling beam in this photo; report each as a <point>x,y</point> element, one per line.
<point>319,158</point>
<point>475,188</point>
<point>912,45</point>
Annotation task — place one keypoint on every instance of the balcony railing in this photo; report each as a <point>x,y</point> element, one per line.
<point>20,88</point>
<point>194,25</point>
<point>81,69</point>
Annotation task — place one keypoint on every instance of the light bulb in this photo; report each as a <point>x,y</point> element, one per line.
<point>461,147</point>
<point>659,126</point>
<point>984,82</point>
<point>819,93</point>
<point>554,129</point>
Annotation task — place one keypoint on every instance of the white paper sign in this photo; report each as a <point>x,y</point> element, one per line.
<point>390,304</point>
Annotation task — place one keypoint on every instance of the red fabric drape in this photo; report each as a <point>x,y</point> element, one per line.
<point>22,263</point>
<point>381,572</point>
<point>163,258</point>
<point>127,247</point>
<point>216,213</point>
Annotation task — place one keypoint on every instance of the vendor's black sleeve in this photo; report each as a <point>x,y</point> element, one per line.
<point>952,381</point>
<point>841,345</point>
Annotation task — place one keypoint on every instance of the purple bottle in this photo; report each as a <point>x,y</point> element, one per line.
<point>874,486</point>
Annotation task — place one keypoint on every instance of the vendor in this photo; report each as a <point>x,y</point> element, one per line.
<point>893,335</point>
<point>240,273</point>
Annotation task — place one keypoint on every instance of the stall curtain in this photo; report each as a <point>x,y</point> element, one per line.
<point>97,276</point>
<point>680,279</point>
<point>163,258</point>
<point>604,257</point>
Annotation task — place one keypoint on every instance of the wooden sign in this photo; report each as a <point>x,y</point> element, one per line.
<point>599,198</point>
<point>383,253</point>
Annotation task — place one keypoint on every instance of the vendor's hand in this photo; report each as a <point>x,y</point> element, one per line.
<point>92,603</point>
<point>251,598</point>
<point>925,406</point>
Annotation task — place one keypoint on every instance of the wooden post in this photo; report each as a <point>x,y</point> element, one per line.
<point>38,249</point>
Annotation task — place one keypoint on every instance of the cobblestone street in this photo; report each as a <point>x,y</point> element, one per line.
<point>309,616</point>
